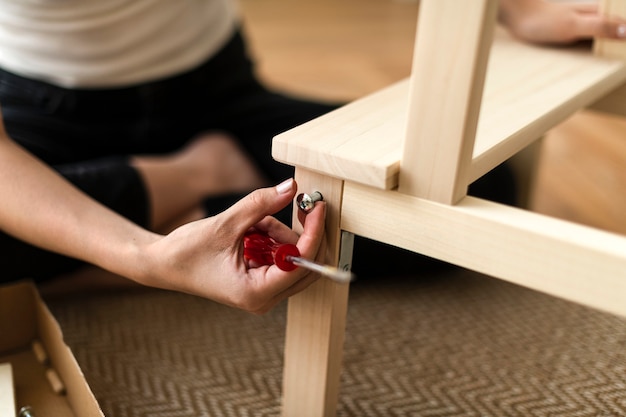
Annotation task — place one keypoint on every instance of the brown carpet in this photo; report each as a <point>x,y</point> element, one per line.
<point>458,344</point>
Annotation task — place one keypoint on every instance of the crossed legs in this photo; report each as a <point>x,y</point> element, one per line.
<point>211,165</point>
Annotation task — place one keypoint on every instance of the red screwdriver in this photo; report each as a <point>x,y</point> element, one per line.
<point>262,249</point>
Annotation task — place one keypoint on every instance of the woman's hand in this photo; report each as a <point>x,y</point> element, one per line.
<point>546,22</point>
<point>205,257</point>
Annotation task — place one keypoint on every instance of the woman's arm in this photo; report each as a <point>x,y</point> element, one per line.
<point>41,207</point>
<point>203,258</point>
<point>547,22</point>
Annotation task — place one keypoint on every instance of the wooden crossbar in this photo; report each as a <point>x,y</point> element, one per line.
<point>561,258</point>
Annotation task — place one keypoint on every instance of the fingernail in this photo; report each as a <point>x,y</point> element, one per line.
<point>621,31</point>
<point>285,186</point>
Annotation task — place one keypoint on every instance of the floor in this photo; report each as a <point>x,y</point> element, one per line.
<point>438,345</point>
<point>343,49</point>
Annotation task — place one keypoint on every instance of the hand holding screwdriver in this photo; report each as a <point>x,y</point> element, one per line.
<point>262,249</point>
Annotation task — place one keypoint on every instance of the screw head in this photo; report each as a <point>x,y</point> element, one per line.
<point>26,411</point>
<point>306,202</point>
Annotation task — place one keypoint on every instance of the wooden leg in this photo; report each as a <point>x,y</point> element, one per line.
<point>316,321</point>
<point>7,393</point>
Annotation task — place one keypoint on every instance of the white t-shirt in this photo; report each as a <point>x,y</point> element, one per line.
<point>110,43</point>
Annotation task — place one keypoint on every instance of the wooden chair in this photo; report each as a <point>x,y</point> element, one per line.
<point>395,166</point>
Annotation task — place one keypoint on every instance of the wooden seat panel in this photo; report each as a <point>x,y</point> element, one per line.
<point>528,90</point>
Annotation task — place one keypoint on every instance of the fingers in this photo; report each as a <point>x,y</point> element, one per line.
<point>268,284</point>
<point>614,29</point>
<point>263,202</point>
<point>312,236</point>
<point>277,230</point>
<point>590,26</point>
<point>556,23</point>
<point>591,23</point>
<point>300,285</point>
<point>277,284</point>
<point>590,8</point>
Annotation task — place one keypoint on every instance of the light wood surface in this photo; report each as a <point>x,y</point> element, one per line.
<point>577,263</point>
<point>346,50</point>
<point>452,48</point>
<point>316,320</point>
<point>7,391</point>
<point>362,142</point>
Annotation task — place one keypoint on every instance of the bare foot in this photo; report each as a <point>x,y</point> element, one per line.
<point>211,165</point>
<point>216,165</point>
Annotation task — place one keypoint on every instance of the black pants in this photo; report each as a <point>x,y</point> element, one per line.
<point>88,134</point>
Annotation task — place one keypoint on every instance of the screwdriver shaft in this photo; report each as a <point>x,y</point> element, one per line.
<point>328,271</point>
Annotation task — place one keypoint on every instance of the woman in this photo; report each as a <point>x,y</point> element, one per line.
<point>151,108</point>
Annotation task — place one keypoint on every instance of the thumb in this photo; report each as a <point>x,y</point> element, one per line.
<point>260,203</point>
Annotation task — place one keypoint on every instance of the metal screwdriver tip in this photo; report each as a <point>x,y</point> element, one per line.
<point>334,273</point>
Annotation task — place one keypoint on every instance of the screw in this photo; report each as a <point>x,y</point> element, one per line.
<point>26,411</point>
<point>306,202</point>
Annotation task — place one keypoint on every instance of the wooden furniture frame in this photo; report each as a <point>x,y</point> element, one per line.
<point>395,166</point>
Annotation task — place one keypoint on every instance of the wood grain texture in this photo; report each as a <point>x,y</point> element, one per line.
<point>452,48</point>
<point>316,320</point>
<point>560,258</point>
<point>529,90</point>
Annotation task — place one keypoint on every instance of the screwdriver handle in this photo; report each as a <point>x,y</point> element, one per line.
<point>262,249</point>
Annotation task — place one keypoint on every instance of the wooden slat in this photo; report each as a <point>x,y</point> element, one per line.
<point>567,260</point>
<point>528,90</point>
<point>7,391</point>
<point>360,141</point>
<point>449,64</point>
<point>531,89</point>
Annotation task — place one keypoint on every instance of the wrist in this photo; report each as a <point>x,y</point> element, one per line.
<point>133,260</point>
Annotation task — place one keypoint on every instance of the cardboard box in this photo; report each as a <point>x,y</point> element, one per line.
<point>24,318</point>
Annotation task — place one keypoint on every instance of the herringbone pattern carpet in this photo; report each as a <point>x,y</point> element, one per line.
<point>458,344</point>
